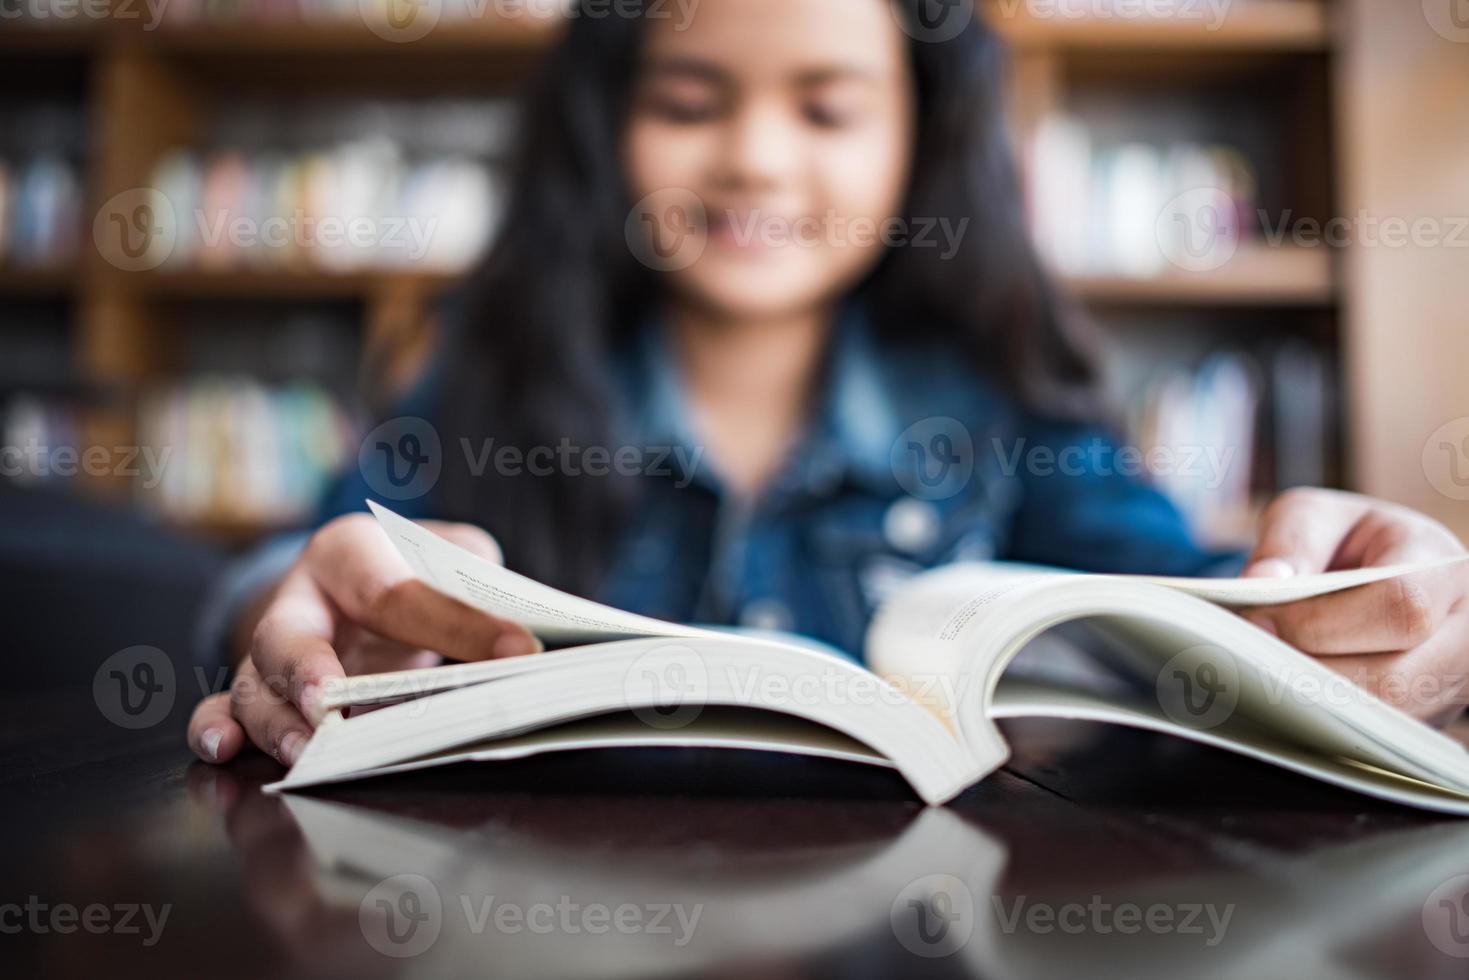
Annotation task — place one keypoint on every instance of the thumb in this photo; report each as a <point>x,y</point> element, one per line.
<point>1301,531</point>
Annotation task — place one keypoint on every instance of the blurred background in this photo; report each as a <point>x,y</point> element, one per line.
<point>1264,204</point>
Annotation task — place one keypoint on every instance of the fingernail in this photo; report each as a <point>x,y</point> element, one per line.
<point>1271,568</point>
<point>210,743</point>
<point>291,747</point>
<point>515,645</point>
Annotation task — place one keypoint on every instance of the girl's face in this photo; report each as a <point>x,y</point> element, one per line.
<point>778,132</point>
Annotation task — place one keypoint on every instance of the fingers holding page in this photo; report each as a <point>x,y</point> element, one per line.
<point>355,566</point>
<point>1301,531</point>
<point>1394,614</point>
<point>273,723</point>
<point>1429,682</point>
<point>292,650</point>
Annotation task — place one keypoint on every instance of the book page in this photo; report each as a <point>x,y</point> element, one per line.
<point>965,624</point>
<point>1276,591</point>
<point>555,616</point>
<point>1029,699</point>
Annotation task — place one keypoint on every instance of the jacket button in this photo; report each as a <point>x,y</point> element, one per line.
<point>911,525</point>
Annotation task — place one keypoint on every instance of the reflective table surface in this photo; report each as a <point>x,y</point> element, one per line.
<point>1096,852</point>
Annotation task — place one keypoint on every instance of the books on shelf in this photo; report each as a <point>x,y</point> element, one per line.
<point>41,185</point>
<point>338,188</point>
<point>1222,434</point>
<point>352,207</point>
<point>240,452</point>
<point>1199,429</point>
<point>1103,206</point>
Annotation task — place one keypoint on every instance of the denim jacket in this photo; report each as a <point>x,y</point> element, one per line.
<point>912,460</point>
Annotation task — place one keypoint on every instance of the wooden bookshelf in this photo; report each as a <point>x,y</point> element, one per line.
<point>1255,276</point>
<point>149,92</point>
<point>270,285</point>
<point>41,282</point>
<point>1249,25</point>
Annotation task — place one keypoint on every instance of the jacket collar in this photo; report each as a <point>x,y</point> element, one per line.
<point>872,392</point>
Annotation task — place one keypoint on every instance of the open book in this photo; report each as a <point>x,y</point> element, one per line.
<point>927,703</point>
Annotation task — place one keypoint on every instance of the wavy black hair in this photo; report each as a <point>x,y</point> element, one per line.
<point>528,359</point>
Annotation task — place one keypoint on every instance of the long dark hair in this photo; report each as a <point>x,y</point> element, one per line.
<point>529,359</point>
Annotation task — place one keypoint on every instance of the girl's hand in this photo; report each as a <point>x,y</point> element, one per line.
<point>350,604</point>
<point>1406,640</point>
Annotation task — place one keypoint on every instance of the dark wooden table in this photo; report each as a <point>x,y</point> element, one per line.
<point>1096,853</point>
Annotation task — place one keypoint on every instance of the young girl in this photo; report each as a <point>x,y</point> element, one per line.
<point>715,272</point>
